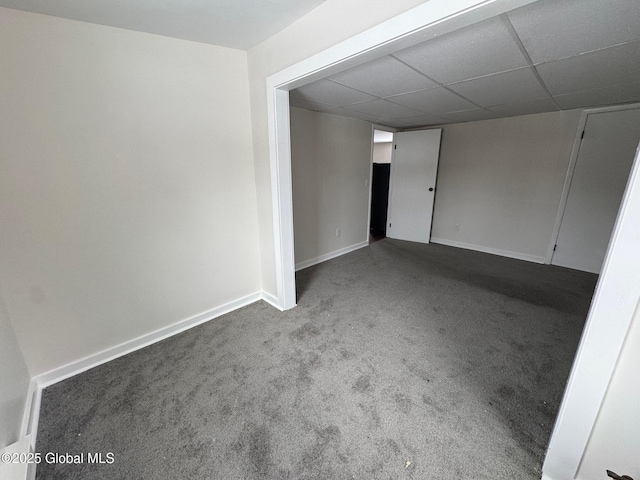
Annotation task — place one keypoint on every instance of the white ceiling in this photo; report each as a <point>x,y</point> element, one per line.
<point>238,24</point>
<point>548,56</point>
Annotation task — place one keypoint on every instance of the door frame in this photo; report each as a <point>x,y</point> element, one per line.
<point>433,18</point>
<point>575,151</point>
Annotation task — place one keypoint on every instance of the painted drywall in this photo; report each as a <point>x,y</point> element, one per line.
<point>14,382</point>
<point>382,152</point>
<point>127,194</point>
<point>331,168</point>
<point>614,442</point>
<point>500,182</point>
<point>330,23</point>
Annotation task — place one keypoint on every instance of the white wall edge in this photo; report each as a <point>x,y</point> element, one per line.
<point>495,251</point>
<point>329,256</point>
<point>546,477</point>
<point>436,17</point>
<point>73,368</point>
<point>614,303</point>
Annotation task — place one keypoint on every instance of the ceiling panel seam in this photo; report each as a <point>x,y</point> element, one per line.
<point>516,38</point>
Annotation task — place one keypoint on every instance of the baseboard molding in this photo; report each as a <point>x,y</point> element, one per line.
<point>28,408</point>
<point>494,251</point>
<point>271,300</point>
<point>31,415</point>
<point>58,374</point>
<point>18,470</point>
<point>329,256</point>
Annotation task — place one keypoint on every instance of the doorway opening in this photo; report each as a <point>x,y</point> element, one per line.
<point>583,398</point>
<point>380,176</point>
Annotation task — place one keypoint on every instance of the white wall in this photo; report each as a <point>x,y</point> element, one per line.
<point>501,180</point>
<point>331,167</point>
<point>127,195</point>
<point>14,382</point>
<point>326,25</point>
<point>382,152</point>
<point>615,442</point>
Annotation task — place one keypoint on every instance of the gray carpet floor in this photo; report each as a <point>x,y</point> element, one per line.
<point>401,361</point>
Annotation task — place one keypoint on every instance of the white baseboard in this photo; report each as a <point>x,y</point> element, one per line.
<point>271,300</point>
<point>18,470</point>
<point>546,477</point>
<point>28,408</point>
<point>83,364</point>
<point>329,256</point>
<point>494,251</point>
<point>31,416</point>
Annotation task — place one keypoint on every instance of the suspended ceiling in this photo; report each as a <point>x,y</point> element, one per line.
<point>238,24</point>
<point>548,56</point>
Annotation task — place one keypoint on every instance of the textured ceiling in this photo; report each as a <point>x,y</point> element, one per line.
<point>548,56</point>
<point>238,24</point>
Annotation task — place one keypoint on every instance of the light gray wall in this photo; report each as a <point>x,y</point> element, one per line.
<point>331,167</point>
<point>14,382</point>
<point>500,182</point>
<point>127,189</point>
<point>382,152</point>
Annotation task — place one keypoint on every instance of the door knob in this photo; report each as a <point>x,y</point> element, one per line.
<point>431,189</point>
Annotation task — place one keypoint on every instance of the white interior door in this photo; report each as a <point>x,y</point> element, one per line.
<point>602,168</point>
<point>412,187</point>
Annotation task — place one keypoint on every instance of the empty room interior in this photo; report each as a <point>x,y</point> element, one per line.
<point>319,239</point>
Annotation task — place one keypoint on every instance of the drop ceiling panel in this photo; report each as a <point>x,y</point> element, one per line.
<point>552,29</point>
<point>433,101</point>
<point>478,50</point>
<point>526,108</point>
<point>469,116</point>
<point>611,66</point>
<point>509,87</point>
<point>612,95</point>
<point>385,109</point>
<point>422,121</point>
<point>384,77</point>
<point>331,93</point>
<point>357,115</point>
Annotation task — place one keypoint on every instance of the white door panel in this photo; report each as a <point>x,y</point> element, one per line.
<point>599,180</point>
<point>413,182</point>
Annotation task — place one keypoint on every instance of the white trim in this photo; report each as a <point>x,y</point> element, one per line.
<point>35,416</point>
<point>78,366</point>
<point>575,151</point>
<point>31,416</point>
<point>329,256</point>
<point>436,17</point>
<point>495,251</point>
<point>577,142</point>
<point>614,303</point>
<point>271,300</point>
<point>16,471</point>
<point>281,195</point>
<point>27,414</point>
<point>370,185</point>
